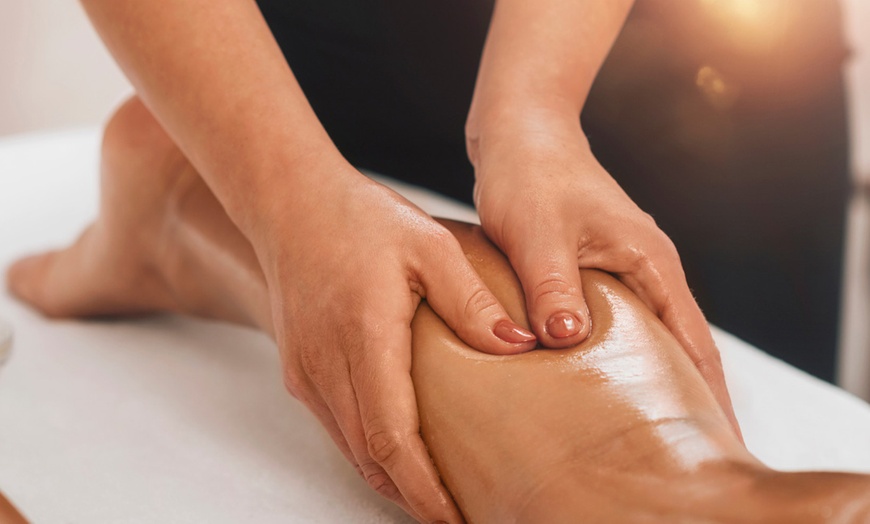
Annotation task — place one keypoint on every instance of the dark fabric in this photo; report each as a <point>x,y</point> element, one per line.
<point>751,184</point>
<point>727,126</point>
<point>391,80</point>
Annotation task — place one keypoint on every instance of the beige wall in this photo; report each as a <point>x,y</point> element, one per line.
<point>858,76</point>
<point>54,72</point>
<point>854,362</point>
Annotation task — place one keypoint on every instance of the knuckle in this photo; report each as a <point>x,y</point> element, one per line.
<point>440,244</point>
<point>479,303</point>
<point>384,446</point>
<point>431,508</point>
<point>439,233</point>
<point>666,308</point>
<point>378,480</point>
<point>293,383</point>
<point>648,219</point>
<point>312,365</point>
<point>638,258</point>
<point>324,372</point>
<point>657,241</point>
<point>439,238</point>
<point>667,247</point>
<point>553,288</point>
<point>709,364</point>
<point>659,259</point>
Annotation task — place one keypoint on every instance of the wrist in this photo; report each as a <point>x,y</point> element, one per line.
<point>285,188</point>
<point>513,127</point>
<point>524,133</point>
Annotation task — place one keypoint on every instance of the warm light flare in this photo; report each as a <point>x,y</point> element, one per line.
<point>752,23</point>
<point>749,11</point>
<point>746,11</point>
<point>715,87</point>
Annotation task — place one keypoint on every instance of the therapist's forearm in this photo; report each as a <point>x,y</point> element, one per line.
<point>540,60</point>
<point>213,75</point>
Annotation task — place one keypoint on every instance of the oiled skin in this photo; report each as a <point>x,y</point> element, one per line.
<point>619,428</point>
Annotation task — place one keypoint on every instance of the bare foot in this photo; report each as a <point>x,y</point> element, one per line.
<point>113,268</point>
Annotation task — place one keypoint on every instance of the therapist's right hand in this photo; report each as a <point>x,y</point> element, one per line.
<point>347,262</point>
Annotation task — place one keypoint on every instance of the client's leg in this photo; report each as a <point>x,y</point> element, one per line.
<point>620,428</point>
<point>161,242</point>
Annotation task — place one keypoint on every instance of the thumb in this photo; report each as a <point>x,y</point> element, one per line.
<point>459,296</point>
<point>554,294</point>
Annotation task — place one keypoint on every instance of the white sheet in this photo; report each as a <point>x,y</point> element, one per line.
<point>176,420</point>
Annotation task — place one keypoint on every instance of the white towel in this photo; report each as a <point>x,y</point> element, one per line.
<point>178,420</point>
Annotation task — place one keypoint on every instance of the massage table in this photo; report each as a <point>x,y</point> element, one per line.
<point>170,419</point>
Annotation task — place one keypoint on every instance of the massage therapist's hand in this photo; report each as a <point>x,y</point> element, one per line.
<point>349,264</point>
<point>548,204</point>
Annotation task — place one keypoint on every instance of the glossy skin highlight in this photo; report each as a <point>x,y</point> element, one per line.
<point>229,103</point>
<point>599,405</point>
<point>621,428</point>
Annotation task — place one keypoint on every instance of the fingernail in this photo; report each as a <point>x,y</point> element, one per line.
<point>510,332</point>
<point>563,325</point>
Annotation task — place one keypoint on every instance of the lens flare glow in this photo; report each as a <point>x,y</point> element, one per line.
<point>719,92</point>
<point>752,23</point>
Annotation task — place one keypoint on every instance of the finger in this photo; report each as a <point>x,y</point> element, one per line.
<point>458,295</point>
<point>345,407</point>
<point>305,392</point>
<point>324,385</point>
<point>326,418</point>
<point>684,319</point>
<point>667,294</point>
<point>388,407</point>
<point>550,276</point>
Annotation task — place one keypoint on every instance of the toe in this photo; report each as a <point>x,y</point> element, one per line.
<point>26,278</point>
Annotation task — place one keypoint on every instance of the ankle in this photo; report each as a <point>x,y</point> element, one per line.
<point>171,250</point>
<point>206,263</point>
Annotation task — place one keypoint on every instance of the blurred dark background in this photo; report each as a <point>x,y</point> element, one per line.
<point>724,119</point>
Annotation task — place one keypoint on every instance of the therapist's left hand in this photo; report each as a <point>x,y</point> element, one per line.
<point>548,204</point>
